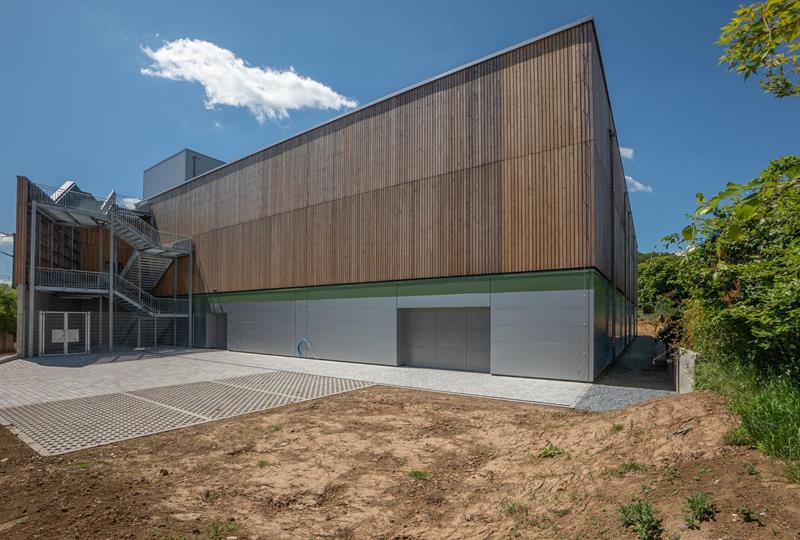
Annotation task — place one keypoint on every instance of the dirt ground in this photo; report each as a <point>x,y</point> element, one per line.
<point>339,468</point>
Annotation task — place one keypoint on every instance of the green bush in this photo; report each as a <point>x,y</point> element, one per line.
<point>8,309</point>
<point>742,311</point>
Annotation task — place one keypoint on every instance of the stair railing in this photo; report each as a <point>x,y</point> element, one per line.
<point>147,300</point>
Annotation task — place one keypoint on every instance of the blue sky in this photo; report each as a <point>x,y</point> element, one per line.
<point>75,105</point>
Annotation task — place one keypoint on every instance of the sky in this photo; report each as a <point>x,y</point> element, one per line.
<point>98,92</point>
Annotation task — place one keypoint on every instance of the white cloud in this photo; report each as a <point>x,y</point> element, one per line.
<point>6,241</point>
<point>635,186</point>
<point>626,152</point>
<point>229,80</point>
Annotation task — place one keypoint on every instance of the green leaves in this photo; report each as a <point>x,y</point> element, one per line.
<point>764,38</point>
<point>741,271</point>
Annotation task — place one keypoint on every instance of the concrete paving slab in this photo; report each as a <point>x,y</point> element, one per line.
<point>584,396</point>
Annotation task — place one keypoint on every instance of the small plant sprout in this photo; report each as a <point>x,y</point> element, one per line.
<point>550,451</point>
<point>263,464</point>
<point>212,495</point>
<point>616,428</point>
<point>625,468</point>
<point>640,517</point>
<point>417,474</point>
<point>700,508</point>
<point>751,469</point>
<point>511,508</point>
<point>749,515</point>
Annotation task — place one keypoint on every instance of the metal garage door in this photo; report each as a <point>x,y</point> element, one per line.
<point>456,338</point>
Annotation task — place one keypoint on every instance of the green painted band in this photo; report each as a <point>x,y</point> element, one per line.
<point>560,280</point>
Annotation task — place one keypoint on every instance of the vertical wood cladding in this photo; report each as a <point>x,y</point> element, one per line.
<point>489,169</point>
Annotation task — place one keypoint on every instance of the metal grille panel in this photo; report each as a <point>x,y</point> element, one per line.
<point>299,385</point>
<point>64,426</point>
<point>212,400</point>
<point>56,427</point>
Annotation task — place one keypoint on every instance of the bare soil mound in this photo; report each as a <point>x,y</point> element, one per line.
<point>393,463</point>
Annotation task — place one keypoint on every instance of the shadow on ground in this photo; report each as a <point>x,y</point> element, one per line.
<point>83,360</point>
<point>635,368</point>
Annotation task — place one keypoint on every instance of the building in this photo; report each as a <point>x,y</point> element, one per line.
<point>475,221</point>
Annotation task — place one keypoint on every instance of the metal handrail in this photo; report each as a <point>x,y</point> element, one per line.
<point>147,300</point>
<point>141,227</point>
<point>98,281</point>
<point>71,279</point>
<point>68,198</point>
<point>79,200</point>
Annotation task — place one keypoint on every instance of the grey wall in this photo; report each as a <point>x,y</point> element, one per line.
<point>532,334</point>
<point>175,170</point>
<point>541,334</point>
<point>167,174</point>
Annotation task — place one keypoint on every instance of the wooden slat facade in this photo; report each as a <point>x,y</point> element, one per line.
<point>502,166</point>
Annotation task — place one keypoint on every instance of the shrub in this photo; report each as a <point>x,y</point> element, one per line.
<point>742,312</point>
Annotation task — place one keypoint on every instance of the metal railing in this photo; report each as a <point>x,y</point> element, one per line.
<point>69,197</point>
<point>98,281</point>
<point>147,301</point>
<point>147,231</point>
<point>71,279</point>
<point>66,197</point>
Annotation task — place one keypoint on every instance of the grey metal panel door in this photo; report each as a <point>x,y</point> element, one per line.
<point>456,339</point>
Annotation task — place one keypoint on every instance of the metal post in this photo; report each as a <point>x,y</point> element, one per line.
<point>611,154</point>
<point>32,278</point>
<point>111,284</point>
<point>100,298</point>
<point>175,297</point>
<point>191,325</point>
<point>88,332</point>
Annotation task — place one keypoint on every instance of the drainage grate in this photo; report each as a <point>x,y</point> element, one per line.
<point>300,385</point>
<point>213,400</point>
<point>56,427</point>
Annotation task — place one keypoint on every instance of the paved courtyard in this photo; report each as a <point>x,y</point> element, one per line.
<point>61,404</point>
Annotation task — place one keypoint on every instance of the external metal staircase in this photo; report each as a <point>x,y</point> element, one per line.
<point>79,281</point>
<point>140,234</point>
<point>154,250</point>
<point>145,270</point>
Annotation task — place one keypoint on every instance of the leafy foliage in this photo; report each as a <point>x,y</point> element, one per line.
<point>8,309</point>
<point>741,271</point>
<point>700,509</point>
<point>640,517</point>
<point>659,279</point>
<point>765,37</point>
<point>742,313</point>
